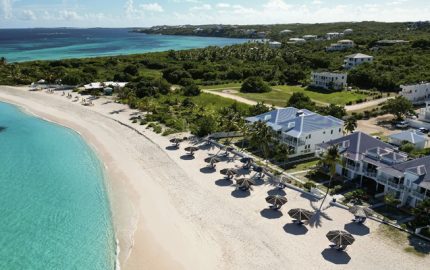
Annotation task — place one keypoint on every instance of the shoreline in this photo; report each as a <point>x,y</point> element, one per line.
<point>188,218</point>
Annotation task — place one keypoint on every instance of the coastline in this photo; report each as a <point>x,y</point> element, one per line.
<point>168,214</point>
<point>137,246</point>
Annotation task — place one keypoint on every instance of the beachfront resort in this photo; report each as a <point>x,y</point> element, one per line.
<point>305,150</point>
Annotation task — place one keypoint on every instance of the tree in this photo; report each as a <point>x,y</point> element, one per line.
<point>131,69</point>
<point>191,90</point>
<point>422,214</point>
<point>330,158</point>
<point>390,200</point>
<point>407,147</point>
<point>262,137</point>
<point>3,61</point>
<point>255,85</point>
<point>205,124</point>
<point>333,110</point>
<point>350,124</point>
<point>174,75</point>
<point>259,108</point>
<point>399,107</point>
<point>301,101</point>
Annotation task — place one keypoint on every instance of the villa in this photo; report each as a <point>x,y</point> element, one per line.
<point>310,37</point>
<point>285,32</point>
<point>296,40</point>
<point>416,93</point>
<point>301,130</point>
<point>354,60</point>
<point>348,31</point>
<point>275,44</point>
<point>341,45</point>
<point>329,80</point>
<point>381,168</point>
<point>414,137</point>
<point>333,35</point>
<point>102,85</point>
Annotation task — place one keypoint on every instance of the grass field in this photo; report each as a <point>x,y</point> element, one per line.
<point>281,94</point>
<point>222,86</point>
<point>216,102</point>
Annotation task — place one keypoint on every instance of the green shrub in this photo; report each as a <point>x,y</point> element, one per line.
<point>308,185</point>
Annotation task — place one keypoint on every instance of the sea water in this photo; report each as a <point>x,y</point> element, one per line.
<point>54,210</point>
<point>19,45</point>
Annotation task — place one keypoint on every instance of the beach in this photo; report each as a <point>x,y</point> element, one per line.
<point>169,212</point>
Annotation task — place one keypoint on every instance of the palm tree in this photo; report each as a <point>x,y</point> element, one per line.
<point>350,124</point>
<point>263,138</point>
<point>330,158</point>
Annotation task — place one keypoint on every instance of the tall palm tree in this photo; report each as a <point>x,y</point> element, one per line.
<point>330,158</point>
<point>263,138</point>
<point>350,124</point>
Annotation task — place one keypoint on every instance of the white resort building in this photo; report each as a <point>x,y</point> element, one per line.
<point>333,35</point>
<point>381,168</point>
<point>329,80</point>
<point>275,44</point>
<point>296,40</point>
<point>416,93</point>
<point>341,45</point>
<point>301,130</point>
<point>354,60</point>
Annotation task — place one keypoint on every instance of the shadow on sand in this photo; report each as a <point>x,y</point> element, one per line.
<point>172,147</point>
<point>357,229</point>
<point>207,170</point>
<point>187,157</point>
<point>270,213</point>
<point>276,191</point>
<point>117,111</point>
<point>223,182</point>
<point>295,229</point>
<point>237,193</point>
<point>335,256</point>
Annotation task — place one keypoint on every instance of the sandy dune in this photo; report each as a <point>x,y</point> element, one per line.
<point>172,213</point>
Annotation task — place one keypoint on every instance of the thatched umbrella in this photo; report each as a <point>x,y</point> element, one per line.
<point>212,160</point>
<point>191,149</point>
<point>229,173</point>
<point>340,238</point>
<point>245,183</point>
<point>176,141</point>
<point>276,200</point>
<point>247,161</point>
<point>300,214</point>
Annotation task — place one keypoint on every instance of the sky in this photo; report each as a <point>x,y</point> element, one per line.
<point>142,13</point>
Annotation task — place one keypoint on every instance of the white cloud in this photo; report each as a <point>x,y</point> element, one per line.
<point>28,15</point>
<point>201,7</point>
<point>152,7</point>
<point>6,8</point>
<point>68,15</point>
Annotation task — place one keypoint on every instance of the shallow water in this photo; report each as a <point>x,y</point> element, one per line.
<point>19,45</point>
<point>54,211</point>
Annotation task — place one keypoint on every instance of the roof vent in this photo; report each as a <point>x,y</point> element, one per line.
<point>300,113</point>
<point>291,125</point>
<point>267,117</point>
<point>345,144</point>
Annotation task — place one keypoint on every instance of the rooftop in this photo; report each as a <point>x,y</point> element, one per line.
<point>358,55</point>
<point>411,136</point>
<point>294,122</point>
<point>419,167</point>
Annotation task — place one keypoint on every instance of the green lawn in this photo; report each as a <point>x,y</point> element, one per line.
<point>216,102</point>
<point>221,86</point>
<point>281,94</point>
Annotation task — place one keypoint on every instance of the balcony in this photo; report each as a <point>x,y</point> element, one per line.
<point>393,184</point>
<point>371,174</point>
<point>418,195</point>
<point>353,167</point>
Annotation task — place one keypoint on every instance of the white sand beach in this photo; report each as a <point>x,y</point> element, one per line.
<point>171,213</point>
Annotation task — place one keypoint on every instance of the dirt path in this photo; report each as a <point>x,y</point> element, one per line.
<point>364,105</point>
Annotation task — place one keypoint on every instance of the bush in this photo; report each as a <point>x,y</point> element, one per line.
<point>255,85</point>
<point>191,90</point>
<point>308,185</point>
<point>335,190</point>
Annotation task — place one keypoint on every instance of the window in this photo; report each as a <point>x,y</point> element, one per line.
<point>332,131</point>
<point>340,130</point>
<point>310,135</point>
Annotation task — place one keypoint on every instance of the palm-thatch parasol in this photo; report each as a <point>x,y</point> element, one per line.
<point>247,161</point>
<point>212,160</point>
<point>229,172</point>
<point>245,183</point>
<point>300,214</point>
<point>276,200</point>
<point>361,211</point>
<point>191,149</point>
<point>340,238</point>
<point>176,141</point>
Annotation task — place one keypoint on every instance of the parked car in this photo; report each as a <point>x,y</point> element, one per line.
<point>402,124</point>
<point>423,130</point>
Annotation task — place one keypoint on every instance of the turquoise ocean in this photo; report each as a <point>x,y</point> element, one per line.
<point>19,45</point>
<point>54,209</point>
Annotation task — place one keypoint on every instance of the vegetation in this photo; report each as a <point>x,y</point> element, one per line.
<point>390,200</point>
<point>330,158</point>
<point>399,107</point>
<point>350,124</point>
<point>254,85</point>
<point>422,214</point>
